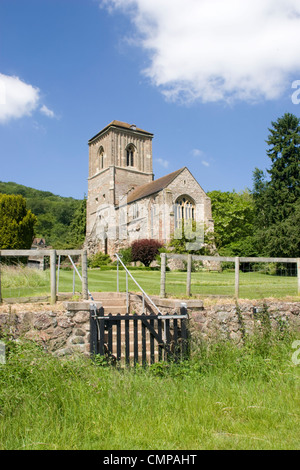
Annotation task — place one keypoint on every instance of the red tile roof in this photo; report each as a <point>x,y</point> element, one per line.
<point>122,125</point>
<point>153,187</point>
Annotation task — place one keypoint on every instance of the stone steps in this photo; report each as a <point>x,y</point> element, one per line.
<point>112,302</point>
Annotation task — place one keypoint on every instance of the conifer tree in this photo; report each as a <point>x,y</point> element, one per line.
<point>277,199</point>
<point>16,223</point>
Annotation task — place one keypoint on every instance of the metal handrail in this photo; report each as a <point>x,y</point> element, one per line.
<point>141,289</point>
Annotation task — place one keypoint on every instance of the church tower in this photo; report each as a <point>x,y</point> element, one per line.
<point>120,160</point>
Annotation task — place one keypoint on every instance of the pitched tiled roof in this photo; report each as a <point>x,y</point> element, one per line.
<point>153,187</point>
<point>123,125</point>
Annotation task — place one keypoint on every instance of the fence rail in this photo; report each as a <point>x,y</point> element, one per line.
<point>188,258</point>
<point>52,254</point>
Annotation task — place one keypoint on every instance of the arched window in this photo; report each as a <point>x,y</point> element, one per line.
<point>101,158</point>
<point>184,210</point>
<point>130,155</point>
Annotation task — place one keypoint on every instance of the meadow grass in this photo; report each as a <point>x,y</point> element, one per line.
<point>22,281</point>
<point>223,397</point>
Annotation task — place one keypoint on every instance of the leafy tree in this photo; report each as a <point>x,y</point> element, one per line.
<point>16,223</point>
<point>233,215</point>
<point>126,255</point>
<point>277,200</point>
<point>145,250</point>
<point>183,238</point>
<point>78,224</point>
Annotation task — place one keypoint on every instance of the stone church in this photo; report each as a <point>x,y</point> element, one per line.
<point>126,203</point>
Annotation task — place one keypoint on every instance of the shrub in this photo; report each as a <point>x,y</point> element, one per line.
<point>99,259</point>
<point>126,255</point>
<point>145,250</point>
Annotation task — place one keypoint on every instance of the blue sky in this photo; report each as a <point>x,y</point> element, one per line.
<point>207,78</point>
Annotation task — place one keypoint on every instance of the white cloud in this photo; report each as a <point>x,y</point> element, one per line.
<point>217,50</point>
<point>17,98</point>
<point>197,153</point>
<point>47,112</point>
<point>163,163</point>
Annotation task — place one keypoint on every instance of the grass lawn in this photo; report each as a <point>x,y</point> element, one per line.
<point>253,285</point>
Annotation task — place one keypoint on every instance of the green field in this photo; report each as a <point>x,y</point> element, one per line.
<point>224,397</point>
<point>24,282</point>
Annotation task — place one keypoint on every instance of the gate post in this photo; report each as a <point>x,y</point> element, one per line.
<point>237,276</point>
<point>184,331</point>
<point>93,330</point>
<point>189,275</point>
<point>163,258</point>
<point>53,275</point>
<point>85,294</point>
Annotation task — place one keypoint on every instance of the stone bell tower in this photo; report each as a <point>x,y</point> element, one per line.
<point>120,160</point>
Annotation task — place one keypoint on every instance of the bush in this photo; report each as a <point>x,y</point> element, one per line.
<point>126,255</point>
<point>99,259</point>
<point>145,250</point>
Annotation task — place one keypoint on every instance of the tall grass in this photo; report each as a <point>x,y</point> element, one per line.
<point>223,397</point>
<point>20,281</point>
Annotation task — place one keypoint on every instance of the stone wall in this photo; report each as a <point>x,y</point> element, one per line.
<point>233,321</point>
<point>61,332</point>
<point>66,331</point>
<point>227,319</point>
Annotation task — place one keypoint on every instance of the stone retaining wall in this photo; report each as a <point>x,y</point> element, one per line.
<point>67,331</point>
<point>61,332</point>
<point>232,321</point>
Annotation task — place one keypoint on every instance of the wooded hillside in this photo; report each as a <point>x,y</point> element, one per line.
<point>60,220</point>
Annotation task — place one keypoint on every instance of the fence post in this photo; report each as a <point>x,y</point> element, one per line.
<point>189,275</point>
<point>237,276</point>
<point>85,293</point>
<point>163,257</point>
<point>118,287</point>
<point>127,293</point>
<point>298,275</point>
<point>53,276</point>
<point>58,269</point>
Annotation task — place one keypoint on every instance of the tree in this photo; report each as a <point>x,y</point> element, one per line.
<point>284,152</point>
<point>61,220</point>
<point>193,238</point>
<point>16,223</point>
<point>145,250</point>
<point>78,225</point>
<point>233,215</point>
<point>276,200</point>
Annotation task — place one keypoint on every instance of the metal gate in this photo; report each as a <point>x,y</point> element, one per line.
<point>145,339</point>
